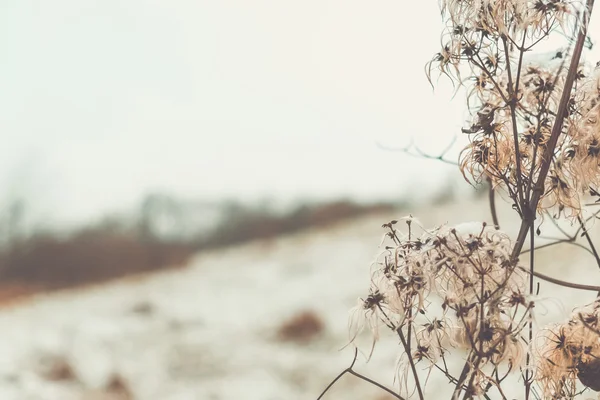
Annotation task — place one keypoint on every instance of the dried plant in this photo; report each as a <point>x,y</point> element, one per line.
<point>467,292</point>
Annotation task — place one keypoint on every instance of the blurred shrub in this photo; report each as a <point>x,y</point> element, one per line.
<point>56,367</point>
<point>157,238</point>
<point>301,328</point>
<point>118,389</point>
<point>86,257</point>
<point>241,223</point>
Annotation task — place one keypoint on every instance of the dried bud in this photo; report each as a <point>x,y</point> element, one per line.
<point>589,374</point>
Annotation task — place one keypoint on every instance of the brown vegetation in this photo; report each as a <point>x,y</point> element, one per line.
<point>301,328</point>
<point>119,388</point>
<point>51,262</point>
<point>56,368</point>
<point>47,261</point>
<point>243,224</point>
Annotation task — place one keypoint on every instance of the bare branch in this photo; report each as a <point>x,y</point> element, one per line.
<point>492,201</point>
<point>411,361</point>
<point>349,370</point>
<point>420,153</point>
<point>561,282</point>
<point>556,130</point>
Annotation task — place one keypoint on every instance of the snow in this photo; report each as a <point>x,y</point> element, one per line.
<point>209,331</point>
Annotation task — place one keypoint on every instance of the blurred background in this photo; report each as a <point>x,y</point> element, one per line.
<point>192,190</point>
<point>147,131</point>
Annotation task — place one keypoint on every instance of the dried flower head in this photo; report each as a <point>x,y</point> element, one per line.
<point>492,155</point>
<point>448,287</point>
<point>569,351</point>
<point>514,99</point>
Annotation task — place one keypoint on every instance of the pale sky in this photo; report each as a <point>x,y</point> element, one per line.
<point>103,101</point>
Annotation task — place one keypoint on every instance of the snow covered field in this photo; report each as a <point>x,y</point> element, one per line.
<point>209,331</point>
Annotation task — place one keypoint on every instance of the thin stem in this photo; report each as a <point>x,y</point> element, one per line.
<point>512,93</point>
<point>481,66</point>
<point>560,228</point>
<point>463,377</point>
<point>372,382</point>
<point>337,378</point>
<point>472,379</point>
<point>561,282</point>
<point>538,190</point>
<point>589,240</point>
<point>420,153</point>
<point>559,241</point>
<point>591,217</point>
<point>411,361</point>
<point>492,201</point>
<point>349,370</point>
<point>531,272</point>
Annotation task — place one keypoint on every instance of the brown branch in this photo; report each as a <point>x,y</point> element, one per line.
<point>559,241</point>
<point>421,153</point>
<point>538,190</point>
<point>492,201</point>
<point>349,370</point>
<point>561,282</point>
<point>463,377</point>
<point>512,93</point>
<point>411,361</point>
<point>541,111</point>
<point>528,379</point>
<point>589,240</point>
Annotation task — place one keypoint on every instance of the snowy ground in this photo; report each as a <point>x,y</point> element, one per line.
<point>210,331</point>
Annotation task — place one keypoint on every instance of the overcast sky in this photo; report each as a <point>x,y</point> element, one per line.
<point>104,101</point>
